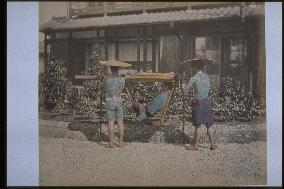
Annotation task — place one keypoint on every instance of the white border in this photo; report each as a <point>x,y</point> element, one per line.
<point>22,86</point>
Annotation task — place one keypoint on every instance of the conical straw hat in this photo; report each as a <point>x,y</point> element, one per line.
<point>198,61</point>
<point>114,62</point>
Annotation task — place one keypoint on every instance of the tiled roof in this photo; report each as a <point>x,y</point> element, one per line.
<point>152,18</point>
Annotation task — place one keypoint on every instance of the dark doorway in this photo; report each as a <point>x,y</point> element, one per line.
<point>170,53</point>
<point>234,59</point>
<point>77,59</point>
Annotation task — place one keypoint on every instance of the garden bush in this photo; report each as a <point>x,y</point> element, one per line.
<point>137,90</point>
<point>41,92</point>
<point>53,86</point>
<point>88,101</point>
<point>177,106</point>
<point>233,102</point>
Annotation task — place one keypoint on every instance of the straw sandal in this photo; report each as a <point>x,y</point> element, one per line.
<point>191,148</point>
<point>121,145</point>
<point>110,146</point>
<point>213,147</point>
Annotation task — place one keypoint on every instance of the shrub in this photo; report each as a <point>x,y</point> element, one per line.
<point>137,90</point>
<point>233,102</point>
<point>80,103</point>
<point>53,84</point>
<point>55,88</point>
<point>92,89</point>
<point>41,92</point>
<point>177,106</point>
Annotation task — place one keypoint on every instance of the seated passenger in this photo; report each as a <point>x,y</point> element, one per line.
<point>149,109</point>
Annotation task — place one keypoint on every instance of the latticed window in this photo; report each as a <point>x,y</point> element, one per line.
<point>78,5</point>
<point>209,47</point>
<point>128,51</point>
<point>96,4</point>
<point>235,59</point>
<point>238,52</point>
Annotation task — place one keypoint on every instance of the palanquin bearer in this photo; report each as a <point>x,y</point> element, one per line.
<point>201,105</point>
<point>114,107</point>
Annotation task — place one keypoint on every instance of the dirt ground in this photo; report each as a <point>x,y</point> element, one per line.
<point>66,162</point>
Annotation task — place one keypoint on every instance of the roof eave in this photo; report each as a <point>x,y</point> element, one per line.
<point>51,30</point>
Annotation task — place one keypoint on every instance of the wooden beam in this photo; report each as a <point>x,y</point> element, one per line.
<point>134,77</point>
<point>49,41</point>
<point>128,37</point>
<point>129,41</point>
<point>87,77</point>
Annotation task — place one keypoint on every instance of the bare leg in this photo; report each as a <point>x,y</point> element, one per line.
<point>121,132</point>
<point>211,137</point>
<point>141,107</point>
<point>196,139</point>
<point>142,114</point>
<point>111,133</point>
<point>197,132</point>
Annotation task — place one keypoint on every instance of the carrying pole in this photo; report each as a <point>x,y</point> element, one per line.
<point>183,117</point>
<point>101,105</point>
<point>180,77</point>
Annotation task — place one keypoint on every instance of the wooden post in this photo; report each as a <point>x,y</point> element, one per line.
<point>98,33</point>
<point>106,45</point>
<point>189,6</point>
<point>138,49</point>
<point>220,60</point>
<point>45,53</point>
<point>153,50</point>
<point>182,46</point>
<point>159,53</point>
<point>144,49</point>
<point>251,58</point>
<point>101,105</point>
<point>105,8</point>
<point>116,45</point>
<point>183,117</point>
<point>68,66</point>
<point>144,6</point>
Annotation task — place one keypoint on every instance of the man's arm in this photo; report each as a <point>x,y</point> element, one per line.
<point>190,83</point>
<point>121,83</point>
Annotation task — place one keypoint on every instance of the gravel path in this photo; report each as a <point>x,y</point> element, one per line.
<point>83,163</point>
<point>170,132</point>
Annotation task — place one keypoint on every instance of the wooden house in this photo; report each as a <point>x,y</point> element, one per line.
<point>156,36</point>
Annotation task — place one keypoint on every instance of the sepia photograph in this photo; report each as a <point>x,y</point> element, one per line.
<point>152,94</point>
